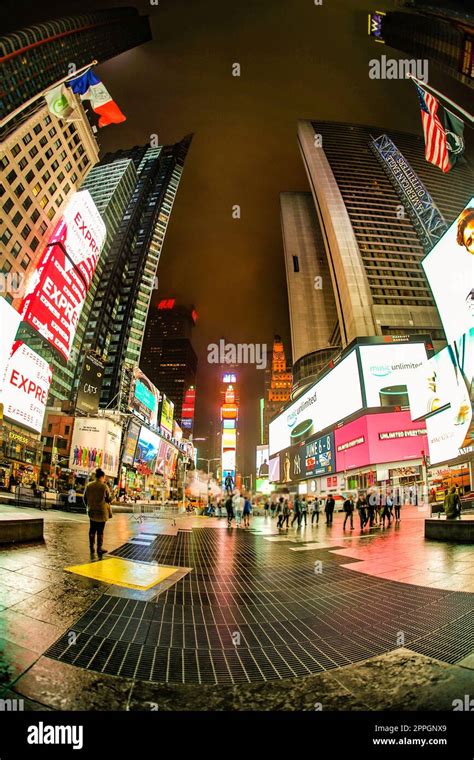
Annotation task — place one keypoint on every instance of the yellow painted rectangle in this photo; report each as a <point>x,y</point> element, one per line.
<point>121,572</point>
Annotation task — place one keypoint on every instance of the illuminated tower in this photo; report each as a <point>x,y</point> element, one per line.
<point>278,382</point>
<point>229,417</point>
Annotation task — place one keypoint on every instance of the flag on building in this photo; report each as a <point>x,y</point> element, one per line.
<point>436,148</point>
<point>89,87</point>
<point>454,128</point>
<point>60,102</point>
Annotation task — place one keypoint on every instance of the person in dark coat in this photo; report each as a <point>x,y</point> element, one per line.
<point>349,510</point>
<point>329,509</point>
<point>98,498</point>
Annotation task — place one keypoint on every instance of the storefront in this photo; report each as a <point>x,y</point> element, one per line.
<point>20,455</point>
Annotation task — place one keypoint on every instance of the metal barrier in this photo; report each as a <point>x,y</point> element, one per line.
<point>154,511</point>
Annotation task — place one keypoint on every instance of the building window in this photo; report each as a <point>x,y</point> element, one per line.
<point>16,249</point>
<point>37,129</point>
<point>35,215</point>
<point>37,189</point>
<point>46,176</point>
<point>27,203</point>
<point>52,188</point>
<point>23,163</point>
<point>19,190</point>
<point>11,177</point>
<point>17,219</point>
<point>34,244</point>
<point>6,266</point>
<point>49,153</point>
<point>51,213</point>
<point>30,176</point>
<point>25,231</point>
<point>47,120</point>
<point>33,151</point>
<point>8,205</point>
<point>15,150</point>
<point>25,261</point>
<point>6,236</point>
<point>40,164</point>
<point>43,141</point>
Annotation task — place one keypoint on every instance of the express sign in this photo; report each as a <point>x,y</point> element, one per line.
<point>58,289</point>
<point>26,387</point>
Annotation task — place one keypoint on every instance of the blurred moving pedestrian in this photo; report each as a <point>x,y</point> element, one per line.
<point>229,510</point>
<point>238,507</point>
<point>315,510</point>
<point>304,511</point>
<point>296,512</point>
<point>329,509</point>
<point>98,498</point>
<point>266,507</point>
<point>386,511</point>
<point>361,506</point>
<point>273,508</point>
<point>349,510</point>
<point>285,515</point>
<point>246,512</point>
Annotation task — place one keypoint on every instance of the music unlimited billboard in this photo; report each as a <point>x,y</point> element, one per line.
<point>58,288</point>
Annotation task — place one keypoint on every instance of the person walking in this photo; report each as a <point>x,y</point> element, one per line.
<point>397,505</point>
<point>266,507</point>
<point>279,511</point>
<point>285,515</point>
<point>329,509</point>
<point>296,512</point>
<point>361,506</point>
<point>316,509</point>
<point>273,508</point>
<point>387,511</point>
<point>229,510</point>
<point>371,502</point>
<point>238,508</point>
<point>349,510</point>
<point>98,498</point>
<point>304,511</point>
<point>246,512</point>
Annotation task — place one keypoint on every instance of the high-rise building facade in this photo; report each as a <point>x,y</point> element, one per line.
<point>43,163</point>
<point>120,308</point>
<point>313,315</point>
<point>168,357</point>
<point>373,247</point>
<point>442,32</point>
<point>278,384</point>
<point>35,58</point>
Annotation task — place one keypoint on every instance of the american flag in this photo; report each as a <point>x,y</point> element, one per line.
<point>436,151</point>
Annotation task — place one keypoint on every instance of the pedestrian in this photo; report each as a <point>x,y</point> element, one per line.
<point>266,507</point>
<point>98,498</point>
<point>238,507</point>
<point>316,509</point>
<point>229,510</point>
<point>361,506</point>
<point>452,504</point>
<point>387,511</point>
<point>285,515</point>
<point>329,509</point>
<point>246,512</point>
<point>372,500</point>
<point>296,512</point>
<point>279,511</point>
<point>304,511</point>
<point>349,510</point>
<point>273,508</point>
<point>397,504</point>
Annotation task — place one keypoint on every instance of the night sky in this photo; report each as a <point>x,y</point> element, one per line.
<point>298,60</point>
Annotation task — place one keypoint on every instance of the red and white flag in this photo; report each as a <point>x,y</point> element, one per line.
<point>436,147</point>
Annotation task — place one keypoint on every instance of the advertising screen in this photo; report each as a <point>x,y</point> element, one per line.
<point>442,378</point>
<point>144,397</point>
<point>319,456</point>
<point>262,461</point>
<point>229,439</point>
<point>274,469</point>
<point>25,387</point>
<point>379,438</point>
<point>228,460</point>
<point>95,443</point>
<point>335,396</point>
<point>228,424</point>
<point>187,411</point>
<point>449,268</point>
<point>166,414</point>
<point>88,395</point>
<point>58,288</point>
<point>147,448</point>
<point>10,321</point>
<point>130,444</point>
<point>387,369</point>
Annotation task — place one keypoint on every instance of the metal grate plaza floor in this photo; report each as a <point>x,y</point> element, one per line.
<point>253,610</point>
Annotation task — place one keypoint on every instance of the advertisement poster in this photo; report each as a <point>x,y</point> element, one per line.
<point>274,469</point>
<point>319,456</point>
<point>90,386</point>
<point>335,396</point>
<point>130,445</point>
<point>147,449</point>
<point>95,443</point>
<point>144,398</point>
<point>10,321</point>
<point>387,369</point>
<point>166,414</point>
<point>449,268</point>
<point>262,461</point>
<point>58,288</point>
<point>25,387</point>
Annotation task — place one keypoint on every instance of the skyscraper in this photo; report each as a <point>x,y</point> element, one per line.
<point>168,357</point>
<point>278,382</point>
<point>34,58</point>
<point>372,245</point>
<point>442,32</point>
<point>120,308</point>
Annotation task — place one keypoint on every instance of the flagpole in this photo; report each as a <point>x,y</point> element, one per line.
<point>43,93</point>
<point>467,115</point>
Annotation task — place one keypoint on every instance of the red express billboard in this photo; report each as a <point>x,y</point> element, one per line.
<point>59,286</point>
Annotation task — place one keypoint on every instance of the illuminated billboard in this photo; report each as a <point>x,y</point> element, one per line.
<point>187,410</point>
<point>130,443</point>
<point>144,397</point>
<point>228,460</point>
<point>166,414</point>
<point>92,376</point>
<point>449,271</point>
<point>148,445</point>
<point>57,290</point>
<point>25,387</point>
<point>337,395</point>
<point>95,443</point>
<point>262,461</point>
<point>274,469</point>
<point>386,371</point>
<point>229,378</point>
<point>229,439</point>
<point>10,321</point>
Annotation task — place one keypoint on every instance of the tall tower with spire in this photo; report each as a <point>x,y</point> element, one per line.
<point>278,383</point>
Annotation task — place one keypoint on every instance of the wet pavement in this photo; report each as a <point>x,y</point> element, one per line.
<point>316,618</point>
